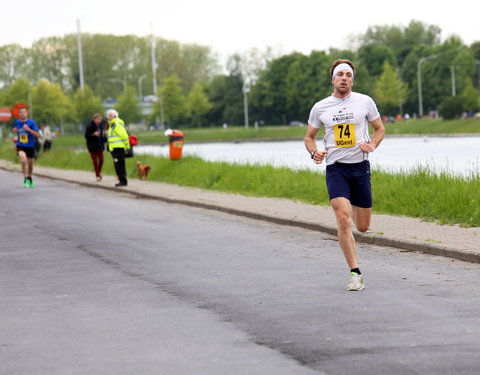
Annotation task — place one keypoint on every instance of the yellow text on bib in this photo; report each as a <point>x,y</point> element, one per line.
<point>344,135</point>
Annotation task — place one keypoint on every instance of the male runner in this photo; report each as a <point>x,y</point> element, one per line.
<point>345,115</point>
<point>27,131</point>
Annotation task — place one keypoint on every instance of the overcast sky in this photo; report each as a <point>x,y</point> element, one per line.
<point>236,26</point>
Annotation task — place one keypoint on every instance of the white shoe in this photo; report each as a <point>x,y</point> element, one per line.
<point>356,282</point>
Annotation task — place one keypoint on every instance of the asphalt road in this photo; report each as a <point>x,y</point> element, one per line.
<point>97,282</point>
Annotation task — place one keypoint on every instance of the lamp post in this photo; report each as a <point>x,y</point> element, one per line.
<point>454,89</point>
<point>478,72</point>
<point>124,83</point>
<point>419,75</point>
<point>245,90</point>
<point>140,95</point>
<point>80,57</point>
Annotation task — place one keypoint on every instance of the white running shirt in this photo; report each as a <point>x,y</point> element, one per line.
<point>346,125</point>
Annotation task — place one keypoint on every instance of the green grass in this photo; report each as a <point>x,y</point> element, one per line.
<point>442,198</point>
<point>433,126</point>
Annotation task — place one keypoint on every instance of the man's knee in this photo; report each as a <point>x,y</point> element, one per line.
<point>344,222</point>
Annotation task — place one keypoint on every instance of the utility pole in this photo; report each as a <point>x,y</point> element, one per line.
<point>478,72</point>
<point>140,94</point>
<point>419,78</point>
<point>80,57</point>
<point>454,89</point>
<point>154,62</point>
<point>245,90</point>
<point>154,76</point>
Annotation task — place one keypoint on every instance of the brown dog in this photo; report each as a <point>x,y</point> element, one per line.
<point>143,170</point>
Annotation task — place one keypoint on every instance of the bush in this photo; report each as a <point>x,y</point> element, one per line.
<point>451,107</point>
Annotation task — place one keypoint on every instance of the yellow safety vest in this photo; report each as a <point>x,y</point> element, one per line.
<point>117,135</point>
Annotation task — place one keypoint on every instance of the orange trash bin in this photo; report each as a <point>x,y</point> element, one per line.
<point>176,140</point>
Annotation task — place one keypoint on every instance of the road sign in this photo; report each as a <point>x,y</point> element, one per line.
<point>5,114</point>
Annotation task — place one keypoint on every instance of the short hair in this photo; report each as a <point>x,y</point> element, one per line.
<point>342,61</point>
<point>96,115</point>
<point>113,112</point>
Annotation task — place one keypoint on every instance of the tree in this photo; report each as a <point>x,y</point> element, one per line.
<point>86,104</point>
<point>470,98</point>
<point>174,103</point>
<point>129,106</point>
<point>373,56</point>
<point>18,92</point>
<point>296,80</point>
<point>51,104</point>
<point>14,63</point>
<point>225,94</point>
<point>269,94</point>
<point>105,56</point>
<point>475,47</point>
<point>49,61</point>
<point>390,91</point>
<point>198,104</point>
<point>403,39</point>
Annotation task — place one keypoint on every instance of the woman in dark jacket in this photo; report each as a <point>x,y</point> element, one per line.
<point>95,135</point>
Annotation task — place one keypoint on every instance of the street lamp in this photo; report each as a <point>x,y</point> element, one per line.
<point>478,67</point>
<point>245,90</point>
<point>124,83</point>
<point>140,95</point>
<point>454,89</point>
<point>419,75</point>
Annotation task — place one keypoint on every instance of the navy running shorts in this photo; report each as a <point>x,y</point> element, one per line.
<point>351,181</point>
<point>29,151</point>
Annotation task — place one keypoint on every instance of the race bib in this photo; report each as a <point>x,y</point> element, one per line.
<point>344,135</point>
<point>23,138</point>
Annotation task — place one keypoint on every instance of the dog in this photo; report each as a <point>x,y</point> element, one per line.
<point>143,170</point>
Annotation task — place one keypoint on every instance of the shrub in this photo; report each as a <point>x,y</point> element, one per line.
<point>451,107</point>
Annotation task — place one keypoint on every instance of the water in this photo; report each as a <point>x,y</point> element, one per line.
<point>454,155</point>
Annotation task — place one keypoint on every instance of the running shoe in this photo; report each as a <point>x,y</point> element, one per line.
<point>32,185</point>
<point>26,183</point>
<point>356,282</point>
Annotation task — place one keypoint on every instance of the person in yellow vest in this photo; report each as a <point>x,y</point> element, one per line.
<point>117,144</point>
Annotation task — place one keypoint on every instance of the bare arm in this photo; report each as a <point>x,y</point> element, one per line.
<point>311,145</point>
<point>31,131</point>
<point>378,134</point>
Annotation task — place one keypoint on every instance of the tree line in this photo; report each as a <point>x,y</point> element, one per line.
<point>194,90</point>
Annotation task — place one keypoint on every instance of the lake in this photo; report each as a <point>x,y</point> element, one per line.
<point>454,155</point>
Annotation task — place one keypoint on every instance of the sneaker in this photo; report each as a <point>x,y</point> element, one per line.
<point>26,183</point>
<point>356,282</point>
<point>32,185</point>
<point>121,184</point>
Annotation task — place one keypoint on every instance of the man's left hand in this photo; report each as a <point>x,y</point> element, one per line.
<point>366,147</point>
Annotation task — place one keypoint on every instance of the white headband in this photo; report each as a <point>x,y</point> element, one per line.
<point>342,66</point>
